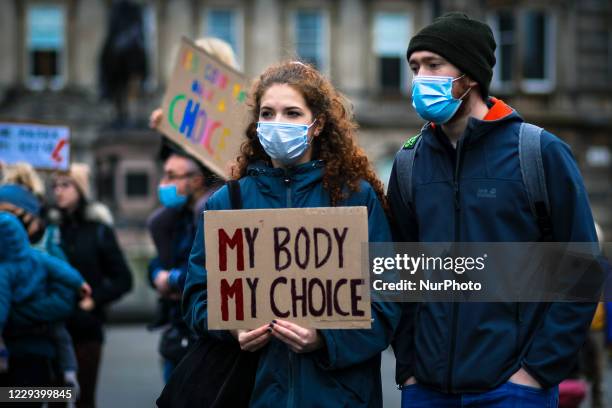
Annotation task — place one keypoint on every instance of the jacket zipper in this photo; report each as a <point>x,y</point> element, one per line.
<point>288,187</point>
<point>291,396</point>
<point>454,305</point>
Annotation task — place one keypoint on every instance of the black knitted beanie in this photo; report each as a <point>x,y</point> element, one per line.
<point>467,44</point>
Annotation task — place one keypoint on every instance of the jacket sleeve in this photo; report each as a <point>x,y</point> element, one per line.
<point>57,303</point>
<point>160,225</point>
<point>404,228</point>
<point>345,348</point>
<point>194,301</point>
<point>60,271</point>
<point>556,343</point>
<point>118,277</point>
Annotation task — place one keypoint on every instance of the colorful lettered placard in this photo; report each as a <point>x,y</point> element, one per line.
<point>205,108</point>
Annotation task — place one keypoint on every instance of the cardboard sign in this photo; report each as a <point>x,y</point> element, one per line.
<point>302,265</point>
<point>45,147</point>
<point>205,108</point>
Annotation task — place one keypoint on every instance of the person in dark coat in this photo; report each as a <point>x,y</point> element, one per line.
<point>183,191</point>
<point>89,243</point>
<point>466,186</point>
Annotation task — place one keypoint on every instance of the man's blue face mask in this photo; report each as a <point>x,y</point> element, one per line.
<point>169,196</point>
<point>285,142</point>
<point>432,97</point>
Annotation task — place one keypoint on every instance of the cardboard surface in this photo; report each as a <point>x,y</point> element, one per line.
<point>302,265</point>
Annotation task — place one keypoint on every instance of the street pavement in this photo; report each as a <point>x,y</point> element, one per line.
<point>131,371</point>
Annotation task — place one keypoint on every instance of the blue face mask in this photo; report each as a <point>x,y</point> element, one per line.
<point>432,97</point>
<point>169,196</point>
<point>285,142</point>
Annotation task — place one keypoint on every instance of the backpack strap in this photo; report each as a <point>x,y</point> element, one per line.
<point>534,177</point>
<point>405,166</point>
<point>233,187</point>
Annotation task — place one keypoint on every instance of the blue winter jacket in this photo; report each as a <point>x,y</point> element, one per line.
<point>346,373</point>
<point>474,347</point>
<point>34,288</point>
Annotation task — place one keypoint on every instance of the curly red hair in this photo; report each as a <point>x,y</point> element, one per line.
<point>345,162</point>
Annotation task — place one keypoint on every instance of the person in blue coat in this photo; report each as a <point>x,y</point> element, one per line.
<point>37,291</point>
<point>300,151</point>
<point>467,186</point>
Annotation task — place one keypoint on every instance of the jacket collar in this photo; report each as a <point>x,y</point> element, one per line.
<point>299,176</point>
<point>499,113</point>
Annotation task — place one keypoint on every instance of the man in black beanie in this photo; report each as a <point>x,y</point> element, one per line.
<point>477,173</point>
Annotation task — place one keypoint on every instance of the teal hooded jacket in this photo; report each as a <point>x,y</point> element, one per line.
<point>346,372</point>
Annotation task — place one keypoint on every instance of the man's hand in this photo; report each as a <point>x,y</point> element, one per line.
<point>522,377</point>
<point>87,304</point>
<point>253,340</point>
<point>161,283</point>
<point>410,381</point>
<point>298,338</point>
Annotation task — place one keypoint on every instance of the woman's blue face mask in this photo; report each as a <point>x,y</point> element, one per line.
<point>285,142</point>
<point>432,97</point>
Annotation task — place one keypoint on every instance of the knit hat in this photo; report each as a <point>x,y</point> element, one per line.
<point>79,173</point>
<point>468,44</point>
<point>20,197</point>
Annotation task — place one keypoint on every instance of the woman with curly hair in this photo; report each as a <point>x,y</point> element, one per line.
<point>300,151</point>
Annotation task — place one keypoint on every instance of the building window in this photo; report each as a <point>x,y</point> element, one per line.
<point>227,25</point>
<point>46,44</point>
<point>390,33</point>
<point>310,37</point>
<point>525,52</point>
<point>136,185</point>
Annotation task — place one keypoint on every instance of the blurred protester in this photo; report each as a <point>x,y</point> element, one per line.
<point>88,240</point>
<point>183,190</point>
<point>37,292</point>
<point>24,175</point>
<point>170,222</point>
<point>46,237</point>
<point>591,363</point>
<point>21,202</point>
<point>123,62</point>
<point>162,220</point>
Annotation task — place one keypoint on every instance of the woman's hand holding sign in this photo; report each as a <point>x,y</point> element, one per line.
<point>298,338</point>
<point>252,340</point>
